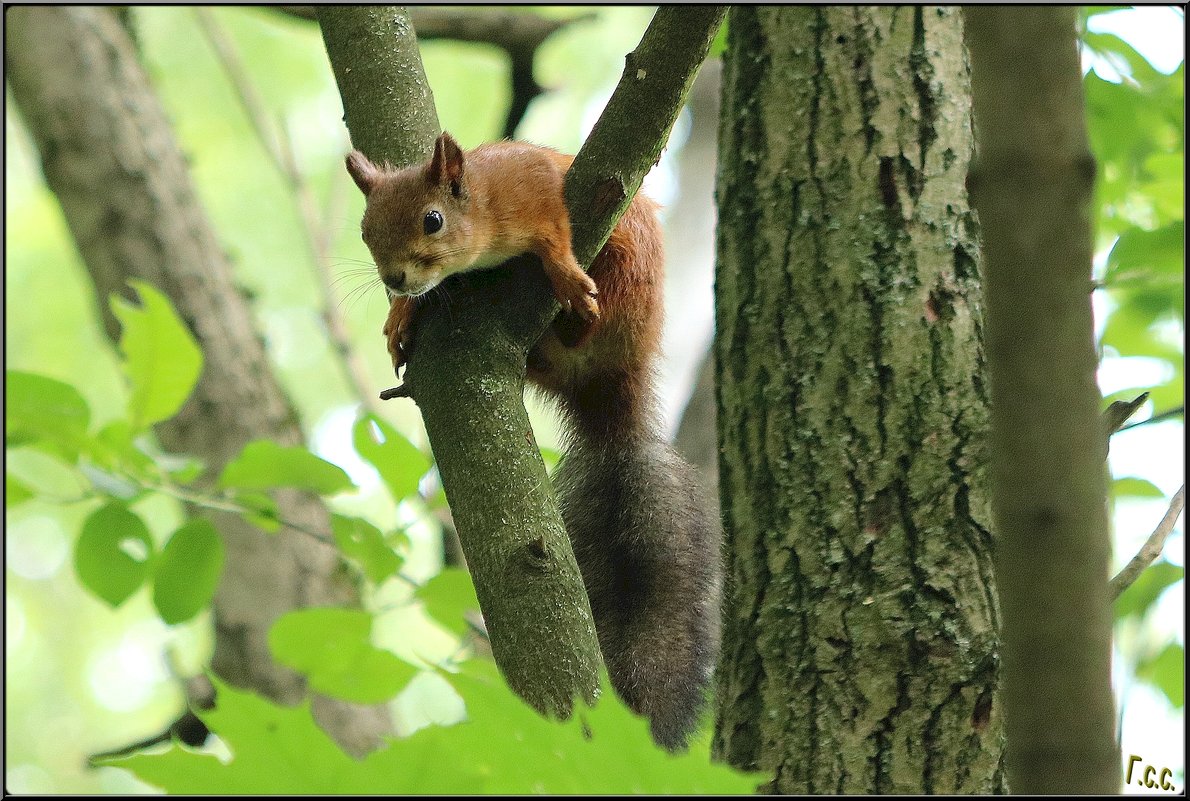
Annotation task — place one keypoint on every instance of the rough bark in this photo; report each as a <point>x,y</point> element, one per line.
<point>860,628</point>
<point>387,103</point>
<point>1033,187</point>
<point>109,155</point>
<point>467,372</point>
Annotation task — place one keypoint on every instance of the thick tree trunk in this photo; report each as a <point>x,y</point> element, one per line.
<point>109,155</point>
<point>1033,186</point>
<point>860,643</point>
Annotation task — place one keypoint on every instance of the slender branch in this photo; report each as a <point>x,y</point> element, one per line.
<point>220,505</point>
<point>1149,552</point>
<point>279,147</point>
<point>1169,414</point>
<point>634,127</point>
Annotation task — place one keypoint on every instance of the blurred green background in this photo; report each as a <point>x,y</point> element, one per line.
<point>82,678</point>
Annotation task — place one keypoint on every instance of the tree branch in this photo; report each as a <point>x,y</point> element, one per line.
<point>467,372</point>
<point>1168,414</point>
<point>518,35</point>
<point>1149,552</point>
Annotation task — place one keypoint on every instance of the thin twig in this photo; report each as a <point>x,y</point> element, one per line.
<point>1157,418</point>
<point>219,505</point>
<point>1152,548</point>
<point>278,145</point>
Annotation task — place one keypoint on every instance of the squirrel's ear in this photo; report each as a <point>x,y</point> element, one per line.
<point>363,172</point>
<point>446,168</point>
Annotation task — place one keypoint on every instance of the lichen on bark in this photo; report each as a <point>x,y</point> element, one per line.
<point>860,645</point>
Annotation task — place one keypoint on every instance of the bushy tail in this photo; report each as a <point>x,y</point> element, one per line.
<point>649,552</point>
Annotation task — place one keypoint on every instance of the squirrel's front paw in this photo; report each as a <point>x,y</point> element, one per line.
<point>398,331</point>
<point>579,295</point>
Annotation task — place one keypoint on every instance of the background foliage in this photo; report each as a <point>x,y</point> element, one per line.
<point>105,574</point>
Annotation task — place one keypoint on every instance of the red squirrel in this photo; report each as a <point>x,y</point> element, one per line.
<point>646,545</point>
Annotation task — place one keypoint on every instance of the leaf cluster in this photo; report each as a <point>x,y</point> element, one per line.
<point>1136,123</point>
<point>501,747</point>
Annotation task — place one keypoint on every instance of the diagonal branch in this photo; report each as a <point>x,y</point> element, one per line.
<point>1149,552</point>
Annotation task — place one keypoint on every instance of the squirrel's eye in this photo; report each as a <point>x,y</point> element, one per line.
<point>432,222</point>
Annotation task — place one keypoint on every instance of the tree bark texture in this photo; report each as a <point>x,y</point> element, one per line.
<point>860,627</point>
<point>1032,186</point>
<point>109,155</point>
<point>387,103</point>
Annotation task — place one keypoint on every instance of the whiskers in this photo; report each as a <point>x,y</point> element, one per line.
<point>364,279</point>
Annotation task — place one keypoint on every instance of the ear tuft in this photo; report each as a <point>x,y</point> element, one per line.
<point>362,171</point>
<point>446,167</point>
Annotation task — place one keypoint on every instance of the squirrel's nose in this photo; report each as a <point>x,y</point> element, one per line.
<point>394,282</point>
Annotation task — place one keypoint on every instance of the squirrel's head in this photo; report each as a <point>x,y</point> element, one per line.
<point>415,223</point>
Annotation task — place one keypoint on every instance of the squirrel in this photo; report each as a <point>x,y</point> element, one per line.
<point>646,544</point>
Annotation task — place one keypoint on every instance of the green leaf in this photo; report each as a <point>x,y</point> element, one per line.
<point>1166,186</point>
<point>15,492</point>
<point>1140,255</point>
<point>161,358</point>
<point>44,412</point>
<point>503,747</point>
<point>447,596</point>
<point>263,512</point>
<point>399,463</point>
<point>1128,327</point>
<point>361,541</point>
<point>113,552</point>
<point>332,648</point>
<point>187,572</point>
<point>1124,58</point>
<point>276,750</point>
<point>1136,487</point>
<point>114,448</point>
<point>264,465</point>
<point>1167,672</point>
<point>1147,588</point>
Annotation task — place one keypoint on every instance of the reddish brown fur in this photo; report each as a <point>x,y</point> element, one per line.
<point>513,203</point>
<point>645,542</point>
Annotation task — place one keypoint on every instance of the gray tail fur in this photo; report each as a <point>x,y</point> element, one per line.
<point>649,552</point>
